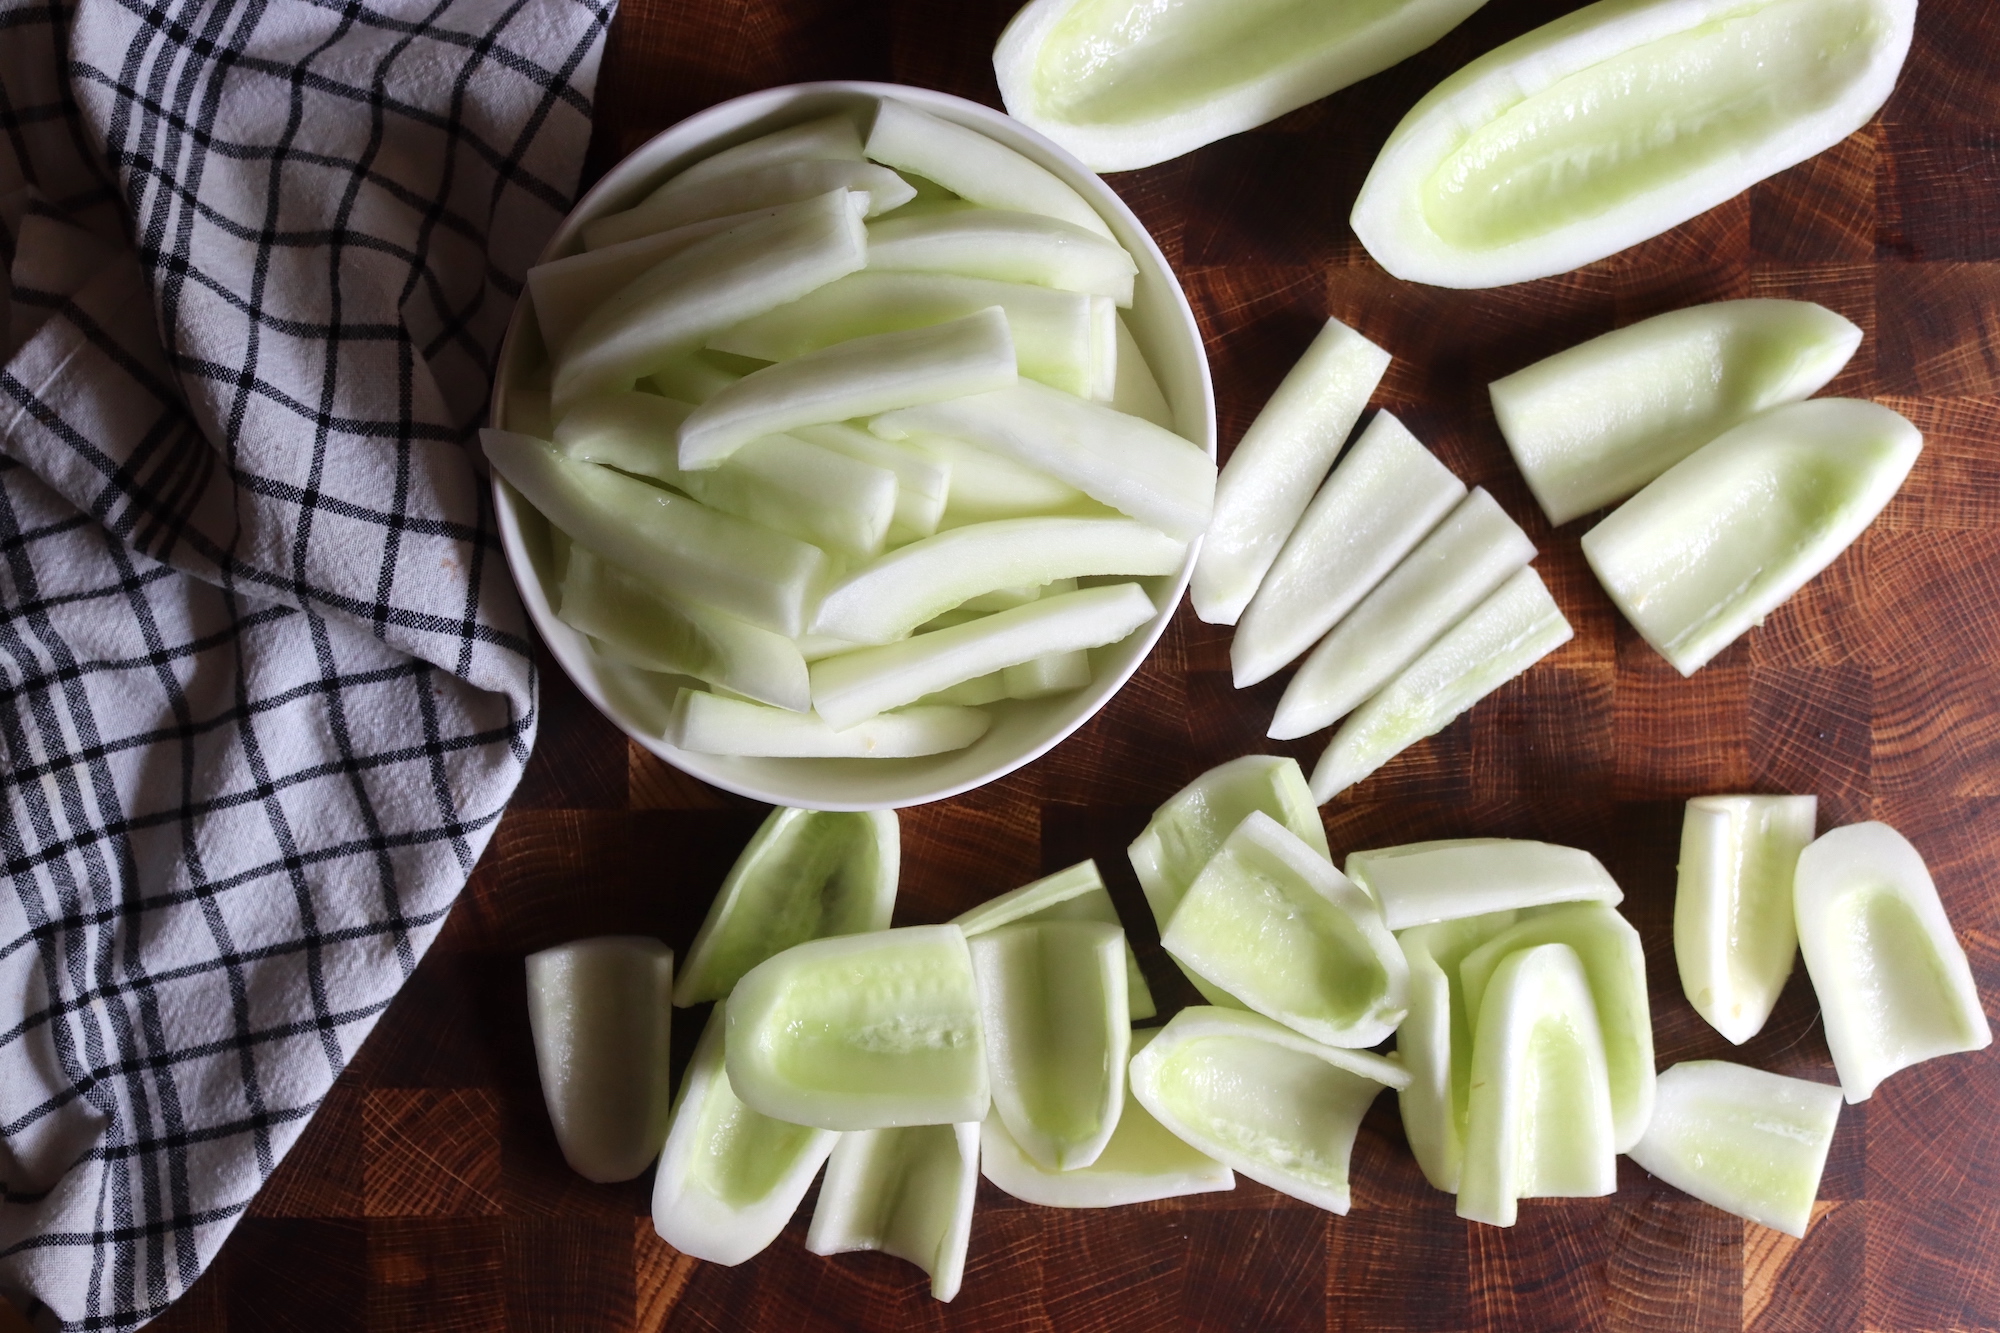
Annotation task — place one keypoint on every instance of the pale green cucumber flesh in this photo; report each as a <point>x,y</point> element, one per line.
<point>706,723</point>
<point>1734,929</point>
<point>1193,823</point>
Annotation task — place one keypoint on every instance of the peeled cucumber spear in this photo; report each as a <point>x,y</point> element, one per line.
<point>1734,931</point>
<point>1075,894</point>
<point>677,205</point>
<point>906,1192</point>
<point>1006,246</point>
<point>705,723</point>
<point>1422,882</point>
<point>1434,1041</point>
<point>923,479</point>
<point>974,167</point>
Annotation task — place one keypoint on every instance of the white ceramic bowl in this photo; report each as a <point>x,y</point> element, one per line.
<point>1160,320</point>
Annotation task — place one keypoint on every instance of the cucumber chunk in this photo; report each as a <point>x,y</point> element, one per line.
<point>974,167</point>
<point>1723,537</point>
<point>729,1179</point>
<point>806,875</point>
<point>1616,122</point>
<point>1257,1096</point>
<point>1278,465</point>
<point>1271,922</point>
<point>1421,882</point>
<point>1892,980</point>
<point>1749,1142</point>
<point>1734,929</point>
<point>707,723</point>
<point>1515,627</point>
<point>676,204</point>
<point>906,1192</point>
<point>1591,425</point>
<point>1075,894</point>
<point>1453,570</point>
<point>1383,499</point>
<point>598,1012</point>
<point>1008,247</point>
<point>862,1032</point>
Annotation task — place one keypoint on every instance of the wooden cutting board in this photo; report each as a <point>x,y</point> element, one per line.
<point>429,1193</point>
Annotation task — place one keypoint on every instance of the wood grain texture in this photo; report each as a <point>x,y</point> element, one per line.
<point>429,1193</point>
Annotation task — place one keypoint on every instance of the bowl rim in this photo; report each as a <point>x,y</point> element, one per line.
<point>696,136</point>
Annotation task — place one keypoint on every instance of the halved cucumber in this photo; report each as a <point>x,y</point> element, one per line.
<point>906,1192</point>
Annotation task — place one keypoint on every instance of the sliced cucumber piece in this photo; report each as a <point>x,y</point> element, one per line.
<point>1421,882</point>
<point>1278,465</point>
<point>1591,425</point>
<point>1538,1111</point>
<point>833,138</point>
<point>923,479</point>
<point>1616,122</point>
<point>1257,1096</point>
<point>1134,466</point>
<point>705,723</point>
<point>686,549</point>
<point>598,1012</point>
<point>857,685</point>
<point>857,378</point>
<point>1049,674</point>
<point>1186,831</point>
<point>1271,922</point>
<point>1135,392</point>
<point>729,1178</point>
<point>1734,931</point>
<point>806,875</point>
<point>1723,537</point>
<point>1434,1042</point>
<point>1453,570</point>
<point>1751,1143</point>
<point>1007,247</point>
<point>986,487</point>
<point>975,167</point>
<point>1515,627</point>
<point>906,1192</point>
<point>1075,894</point>
<point>1384,498</point>
<point>1892,980</point>
<point>692,377</point>
<point>677,204</point>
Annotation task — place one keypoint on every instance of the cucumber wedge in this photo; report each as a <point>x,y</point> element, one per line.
<point>853,686</point>
<point>1538,1112</point>
<point>1751,1143</point>
<point>1723,537</point>
<point>1134,466</point>
<point>1734,929</point>
<point>1453,570</point>
<point>705,723</point>
<point>975,167</point>
<point>906,1192</point>
<point>862,1032</point>
<point>1591,425</point>
<point>729,1178</point>
<point>1257,1096</point>
<point>1195,821</point>
<point>806,875</point>
<point>1515,627</point>
<point>597,1009</point>
<point>1272,923</point>
<point>1075,894</point>
<point>687,550</point>
<point>1278,465</point>
<point>1434,1042</point>
<point>677,204</point>
<point>857,378</point>
<point>986,486</point>
<point>1384,498</point>
<point>1616,122</point>
<point>1892,980</point>
<point>1421,882</point>
<point>833,138</point>
<point>923,479</point>
<point>1007,247</point>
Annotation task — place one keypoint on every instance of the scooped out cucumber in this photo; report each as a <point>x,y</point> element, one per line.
<point>1454,569</point>
<point>1892,980</point>
<point>1257,1096</point>
<point>1278,465</point>
<point>1515,627</point>
<point>1421,882</point>
<point>856,378</point>
<point>1134,466</point>
<point>885,600</point>
<point>1075,894</point>
<point>1591,425</point>
<point>705,723</point>
<point>806,875</point>
<point>974,167</point>
<point>1271,922</point>
<point>1750,1142</point>
<point>1143,1161</point>
<point>857,685</point>
<point>1734,929</point>
<point>722,280</point>
<point>1538,1111</point>
<point>906,1192</point>
<point>923,479</point>
<point>598,1012</point>
<point>1383,499</point>
<point>1434,1042</point>
<point>1727,534</point>
<point>1007,247</point>
<point>677,205</point>
<point>685,549</point>
<point>729,1179</point>
<point>1122,92</point>
<point>1058,1032</point>
<point>633,622</point>
<point>1616,122</point>
<point>862,1032</point>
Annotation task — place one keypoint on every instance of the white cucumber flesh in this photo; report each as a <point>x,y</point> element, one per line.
<point>1006,247</point>
<point>986,486</point>
<point>1049,674</point>
<point>677,205</point>
<point>906,1192</point>
<point>1735,934</point>
<point>974,167</point>
<point>692,377</point>
<point>1419,883</point>
<point>1075,894</point>
<point>1195,821</point>
<point>705,723</point>
<point>834,138</point>
<point>923,479</point>
<point>1135,391</point>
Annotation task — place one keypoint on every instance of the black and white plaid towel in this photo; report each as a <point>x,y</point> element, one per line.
<point>264,684</point>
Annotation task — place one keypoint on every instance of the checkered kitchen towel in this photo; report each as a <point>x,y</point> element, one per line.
<point>264,684</point>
